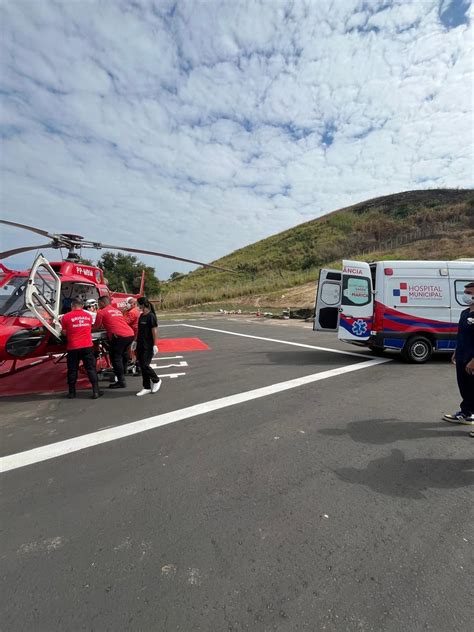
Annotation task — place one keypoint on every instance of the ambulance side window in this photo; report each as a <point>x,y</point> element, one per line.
<point>331,293</point>
<point>459,290</point>
<point>356,291</point>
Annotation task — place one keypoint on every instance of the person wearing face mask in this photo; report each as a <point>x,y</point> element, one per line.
<point>463,359</point>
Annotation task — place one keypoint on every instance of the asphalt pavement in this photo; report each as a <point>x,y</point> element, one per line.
<point>245,495</point>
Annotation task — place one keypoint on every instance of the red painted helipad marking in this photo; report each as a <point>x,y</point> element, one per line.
<point>167,345</point>
<point>50,377</point>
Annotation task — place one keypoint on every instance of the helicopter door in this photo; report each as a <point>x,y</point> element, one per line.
<point>43,295</point>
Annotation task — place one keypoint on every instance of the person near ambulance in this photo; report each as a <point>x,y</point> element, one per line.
<point>77,327</point>
<point>463,359</point>
<point>120,336</point>
<point>147,346</point>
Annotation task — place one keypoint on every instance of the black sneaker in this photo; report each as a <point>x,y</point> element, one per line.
<point>96,394</point>
<point>71,395</point>
<point>456,418</point>
<point>469,421</point>
<point>117,385</point>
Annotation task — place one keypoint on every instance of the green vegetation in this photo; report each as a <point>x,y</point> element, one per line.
<point>126,270</point>
<point>415,224</point>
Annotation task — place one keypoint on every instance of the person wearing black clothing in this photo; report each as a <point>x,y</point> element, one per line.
<point>146,346</point>
<point>120,335</point>
<point>463,359</point>
<point>77,327</point>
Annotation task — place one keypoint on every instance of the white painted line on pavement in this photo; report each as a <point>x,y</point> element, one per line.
<point>169,357</point>
<point>170,374</point>
<point>167,366</point>
<point>61,448</point>
<point>282,342</point>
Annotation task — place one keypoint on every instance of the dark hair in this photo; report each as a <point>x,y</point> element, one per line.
<point>104,299</point>
<point>144,302</point>
<point>469,285</point>
<point>77,302</point>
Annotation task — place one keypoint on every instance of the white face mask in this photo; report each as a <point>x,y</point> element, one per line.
<point>468,298</point>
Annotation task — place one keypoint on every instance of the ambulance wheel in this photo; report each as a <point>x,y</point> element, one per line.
<point>417,349</point>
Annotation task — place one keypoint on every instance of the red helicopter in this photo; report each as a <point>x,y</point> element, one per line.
<point>32,301</point>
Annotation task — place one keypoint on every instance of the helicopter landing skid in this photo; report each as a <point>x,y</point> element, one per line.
<point>14,369</point>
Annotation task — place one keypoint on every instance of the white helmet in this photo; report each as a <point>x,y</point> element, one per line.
<point>91,302</point>
<point>130,302</point>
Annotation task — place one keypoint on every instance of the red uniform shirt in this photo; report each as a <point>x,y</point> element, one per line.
<point>77,325</point>
<point>112,320</point>
<point>132,316</point>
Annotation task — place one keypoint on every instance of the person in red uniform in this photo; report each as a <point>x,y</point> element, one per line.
<point>131,315</point>
<point>77,327</point>
<point>120,335</point>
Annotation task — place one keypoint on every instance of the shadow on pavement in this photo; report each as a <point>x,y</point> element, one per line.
<point>380,431</point>
<point>395,476</point>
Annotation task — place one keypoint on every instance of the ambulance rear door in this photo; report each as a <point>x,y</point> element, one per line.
<point>357,302</point>
<point>43,295</point>
<point>328,300</point>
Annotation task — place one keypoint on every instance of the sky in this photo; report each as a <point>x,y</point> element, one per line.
<point>199,127</point>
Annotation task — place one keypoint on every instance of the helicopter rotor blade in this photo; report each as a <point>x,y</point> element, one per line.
<point>38,231</point>
<point>162,254</point>
<point>72,242</point>
<point>17,251</point>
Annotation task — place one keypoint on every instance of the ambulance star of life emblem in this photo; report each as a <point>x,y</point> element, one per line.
<point>359,328</point>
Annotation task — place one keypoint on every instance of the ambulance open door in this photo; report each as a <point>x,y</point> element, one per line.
<point>357,303</point>
<point>43,295</point>
<point>328,300</point>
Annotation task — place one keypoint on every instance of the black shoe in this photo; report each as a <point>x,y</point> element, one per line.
<point>71,395</point>
<point>117,385</point>
<point>96,394</point>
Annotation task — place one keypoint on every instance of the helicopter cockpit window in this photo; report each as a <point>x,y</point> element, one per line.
<point>72,289</point>
<point>12,297</point>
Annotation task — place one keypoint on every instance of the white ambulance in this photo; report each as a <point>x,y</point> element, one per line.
<point>412,306</point>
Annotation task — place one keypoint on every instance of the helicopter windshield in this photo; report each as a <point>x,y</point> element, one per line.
<point>12,297</point>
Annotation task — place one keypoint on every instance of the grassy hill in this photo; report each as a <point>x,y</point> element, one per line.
<point>429,224</point>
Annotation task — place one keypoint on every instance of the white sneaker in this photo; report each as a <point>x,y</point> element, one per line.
<point>155,387</point>
<point>144,391</point>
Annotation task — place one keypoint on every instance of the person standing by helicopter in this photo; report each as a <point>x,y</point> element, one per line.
<point>131,315</point>
<point>147,346</point>
<point>77,327</point>
<point>120,334</point>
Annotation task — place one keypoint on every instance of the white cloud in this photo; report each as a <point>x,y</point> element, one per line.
<point>199,127</point>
